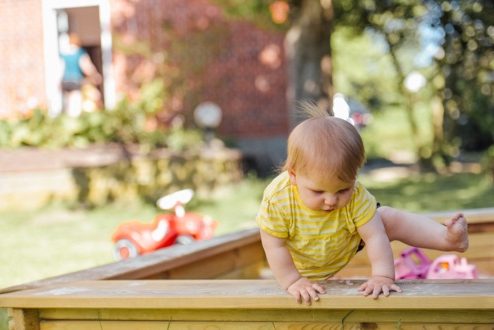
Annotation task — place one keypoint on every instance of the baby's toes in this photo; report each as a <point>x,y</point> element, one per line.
<point>460,225</point>
<point>458,233</point>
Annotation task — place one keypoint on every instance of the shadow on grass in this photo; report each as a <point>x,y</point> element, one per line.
<point>429,192</point>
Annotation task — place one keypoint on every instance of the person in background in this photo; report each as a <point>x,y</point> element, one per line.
<point>77,68</point>
<point>315,216</point>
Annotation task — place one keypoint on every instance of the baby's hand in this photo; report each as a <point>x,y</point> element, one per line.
<point>305,290</point>
<point>377,285</point>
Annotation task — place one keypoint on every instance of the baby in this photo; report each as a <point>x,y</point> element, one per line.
<point>315,215</point>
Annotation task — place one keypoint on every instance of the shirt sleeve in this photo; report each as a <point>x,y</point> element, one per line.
<point>272,220</point>
<point>363,207</point>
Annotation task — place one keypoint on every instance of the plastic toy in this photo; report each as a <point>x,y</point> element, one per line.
<point>412,264</point>
<point>181,227</point>
<point>450,266</point>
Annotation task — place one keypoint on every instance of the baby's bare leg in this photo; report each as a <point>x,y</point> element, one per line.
<point>421,231</point>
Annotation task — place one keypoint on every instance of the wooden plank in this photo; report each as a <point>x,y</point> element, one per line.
<point>479,220</point>
<point>194,314</point>
<point>421,316</point>
<point>134,325</point>
<point>412,326</point>
<point>23,319</point>
<point>281,319</point>
<point>474,216</point>
<point>307,326</point>
<point>253,271</point>
<point>72,325</point>
<point>249,294</point>
<point>444,326</point>
<point>221,325</point>
<point>68,314</point>
<point>105,325</point>
<point>220,265</point>
<point>159,262</point>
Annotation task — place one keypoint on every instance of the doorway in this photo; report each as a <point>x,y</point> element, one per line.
<point>90,20</point>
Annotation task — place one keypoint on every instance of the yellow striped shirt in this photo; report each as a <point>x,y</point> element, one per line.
<point>321,243</point>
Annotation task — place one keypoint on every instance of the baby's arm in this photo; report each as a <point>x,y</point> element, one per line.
<point>284,270</point>
<point>380,257</point>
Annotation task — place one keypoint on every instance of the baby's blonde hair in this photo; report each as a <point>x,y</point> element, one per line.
<point>323,147</point>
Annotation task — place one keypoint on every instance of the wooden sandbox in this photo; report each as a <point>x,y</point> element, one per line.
<point>221,284</point>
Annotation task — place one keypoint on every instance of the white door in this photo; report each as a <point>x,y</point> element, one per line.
<point>55,25</point>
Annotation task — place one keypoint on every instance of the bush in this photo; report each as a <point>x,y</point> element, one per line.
<point>130,123</point>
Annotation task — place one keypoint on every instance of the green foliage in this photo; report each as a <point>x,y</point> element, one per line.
<point>131,122</point>
<point>388,133</point>
<point>256,11</point>
<point>466,64</point>
<point>488,162</point>
<point>458,74</point>
<point>148,176</point>
<point>369,78</point>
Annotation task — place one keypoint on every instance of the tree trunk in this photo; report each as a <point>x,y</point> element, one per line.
<point>437,130</point>
<point>308,50</point>
<point>409,104</point>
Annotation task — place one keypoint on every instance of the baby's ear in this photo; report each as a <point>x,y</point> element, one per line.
<point>293,177</point>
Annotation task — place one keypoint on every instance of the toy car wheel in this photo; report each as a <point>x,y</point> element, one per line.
<point>125,249</point>
<point>185,240</point>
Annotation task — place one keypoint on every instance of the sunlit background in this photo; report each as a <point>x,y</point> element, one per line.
<point>202,94</point>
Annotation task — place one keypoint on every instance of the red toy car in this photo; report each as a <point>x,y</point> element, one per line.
<point>136,238</point>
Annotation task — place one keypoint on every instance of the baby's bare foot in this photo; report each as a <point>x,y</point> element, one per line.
<point>457,232</point>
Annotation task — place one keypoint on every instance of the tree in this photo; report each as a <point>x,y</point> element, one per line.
<point>466,64</point>
<point>460,76</point>
<point>397,23</point>
<point>308,26</point>
<point>308,49</point>
<point>460,80</point>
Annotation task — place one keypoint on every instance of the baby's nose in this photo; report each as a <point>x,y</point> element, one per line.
<point>330,200</point>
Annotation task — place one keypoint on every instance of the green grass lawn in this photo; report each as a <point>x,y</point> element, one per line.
<point>430,192</point>
<point>56,240</point>
<point>389,133</point>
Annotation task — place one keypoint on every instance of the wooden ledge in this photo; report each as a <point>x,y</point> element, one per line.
<point>249,294</point>
<point>479,220</point>
<point>150,266</point>
<point>219,256</point>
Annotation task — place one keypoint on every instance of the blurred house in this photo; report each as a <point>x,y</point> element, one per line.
<point>232,63</point>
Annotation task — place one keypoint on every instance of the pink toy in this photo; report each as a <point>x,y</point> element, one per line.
<point>450,266</point>
<point>412,264</point>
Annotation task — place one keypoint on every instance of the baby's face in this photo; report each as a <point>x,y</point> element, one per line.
<point>327,197</point>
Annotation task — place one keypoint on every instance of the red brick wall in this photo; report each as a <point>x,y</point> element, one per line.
<point>245,74</point>
<point>249,83</point>
<point>21,56</point>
